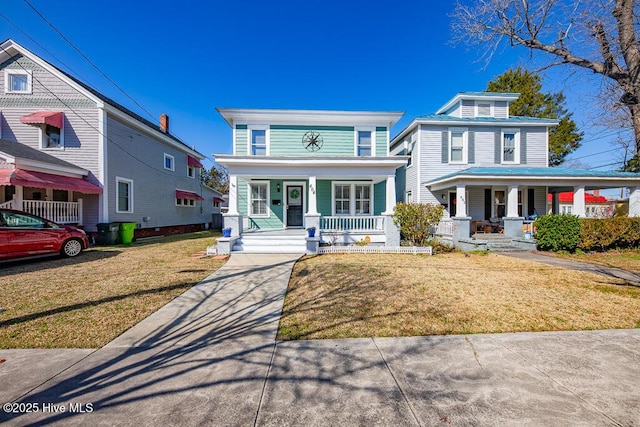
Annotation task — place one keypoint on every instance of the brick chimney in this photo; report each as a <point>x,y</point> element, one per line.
<point>164,123</point>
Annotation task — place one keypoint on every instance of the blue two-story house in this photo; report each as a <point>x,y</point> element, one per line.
<point>490,169</point>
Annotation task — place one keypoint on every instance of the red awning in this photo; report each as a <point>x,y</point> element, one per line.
<point>46,180</point>
<point>53,118</point>
<point>218,199</point>
<point>182,194</point>
<point>193,162</point>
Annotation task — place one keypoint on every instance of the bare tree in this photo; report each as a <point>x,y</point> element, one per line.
<point>597,35</point>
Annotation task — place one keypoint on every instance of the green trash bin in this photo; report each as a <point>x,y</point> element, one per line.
<point>126,232</point>
<point>107,233</point>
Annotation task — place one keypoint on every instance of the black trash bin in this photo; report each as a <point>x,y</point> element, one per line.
<point>108,233</point>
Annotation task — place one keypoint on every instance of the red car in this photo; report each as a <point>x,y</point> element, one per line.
<point>24,235</point>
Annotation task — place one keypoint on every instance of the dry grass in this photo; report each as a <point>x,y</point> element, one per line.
<point>339,296</point>
<point>628,259</point>
<point>87,301</point>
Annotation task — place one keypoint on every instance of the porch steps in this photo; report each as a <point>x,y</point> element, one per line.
<point>270,244</point>
<point>498,243</point>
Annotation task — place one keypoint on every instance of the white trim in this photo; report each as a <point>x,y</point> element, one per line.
<point>493,96</point>
<point>356,132</point>
<point>188,205</point>
<point>130,182</point>
<point>249,199</point>
<point>516,153</point>
<point>191,168</point>
<point>350,162</point>
<point>309,117</point>
<point>352,197</point>
<point>173,162</point>
<point>418,160</point>
<point>8,72</point>
<point>466,205</point>
<point>286,198</point>
<point>42,127</point>
<point>465,145</point>
<point>103,199</point>
<point>233,138</point>
<point>267,139</point>
<point>476,108</point>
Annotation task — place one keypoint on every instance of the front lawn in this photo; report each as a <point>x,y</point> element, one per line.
<point>626,259</point>
<point>340,296</point>
<point>85,302</point>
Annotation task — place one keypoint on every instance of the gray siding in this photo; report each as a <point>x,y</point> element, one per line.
<point>139,157</point>
<point>501,109</point>
<point>468,108</point>
<point>536,146</point>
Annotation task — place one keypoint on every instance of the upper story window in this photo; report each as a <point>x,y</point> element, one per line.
<point>169,162</point>
<point>259,141</point>
<point>191,172</point>
<point>51,137</point>
<point>510,146</point>
<point>124,195</point>
<point>364,143</point>
<point>17,81</point>
<point>457,145</point>
<point>484,109</point>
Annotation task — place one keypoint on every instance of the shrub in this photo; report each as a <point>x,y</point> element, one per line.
<point>558,232</point>
<point>416,221</point>
<point>609,233</point>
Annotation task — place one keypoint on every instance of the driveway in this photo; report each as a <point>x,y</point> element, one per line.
<point>210,358</point>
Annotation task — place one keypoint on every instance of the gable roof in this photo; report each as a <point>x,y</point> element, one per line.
<point>90,92</point>
<point>22,151</point>
<point>477,96</point>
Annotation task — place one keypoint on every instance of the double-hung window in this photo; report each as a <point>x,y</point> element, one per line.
<point>169,162</point>
<point>364,143</point>
<point>17,81</point>
<point>510,146</point>
<point>457,145</point>
<point>258,205</point>
<point>352,199</point>
<point>124,195</point>
<point>258,141</point>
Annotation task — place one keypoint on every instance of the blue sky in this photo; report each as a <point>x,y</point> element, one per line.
<point>186,58</point>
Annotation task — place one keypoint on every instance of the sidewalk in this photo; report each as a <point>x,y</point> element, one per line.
<point>209,358</point>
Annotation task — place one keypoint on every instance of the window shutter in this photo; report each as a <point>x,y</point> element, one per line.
<point>523,148</point>
<point>445,146</point>
<point>487,203</point>
<point>472,147</point>
<point>498,148</point>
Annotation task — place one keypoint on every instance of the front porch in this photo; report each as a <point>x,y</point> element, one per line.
<point>60,212</point>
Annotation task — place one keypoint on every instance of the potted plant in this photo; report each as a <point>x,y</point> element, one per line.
<point>311,231</point>
<point>226,232</point>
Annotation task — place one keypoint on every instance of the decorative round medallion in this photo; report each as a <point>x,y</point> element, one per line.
<point>294,194</point>
<point>312,140</point>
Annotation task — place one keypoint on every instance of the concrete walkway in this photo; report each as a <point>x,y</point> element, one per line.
<point>616,273</point>
<point>209,358</point>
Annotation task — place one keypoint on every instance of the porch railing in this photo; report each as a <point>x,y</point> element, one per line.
<point>352,223</point>
<point>61,212</point>
<point>7,205</point>
<point>445,228</point>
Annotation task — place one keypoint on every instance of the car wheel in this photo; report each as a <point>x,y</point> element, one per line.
<point>71,248</point>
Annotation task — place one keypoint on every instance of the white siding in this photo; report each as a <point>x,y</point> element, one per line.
<point>500,109</point>
<point>468,108</point>
<point>536,146</point>
<point>485,146</point>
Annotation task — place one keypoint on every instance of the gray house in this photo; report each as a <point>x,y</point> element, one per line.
<point>490,169</point>
<point>73,155</point>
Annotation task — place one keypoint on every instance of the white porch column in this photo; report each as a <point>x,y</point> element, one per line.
<point>18,197</point>
<point>391,195</point>
<point>512,202</point>
<point>634,201</point>
<point>461,201</point>
<point>233,195</point>
<point>579,208</point>
<point>313,199</point>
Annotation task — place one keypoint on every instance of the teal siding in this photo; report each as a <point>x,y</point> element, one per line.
<point>287,140</point>
<point>324,197</point>
<point>241,140</point>
<point>379,197</point>
<point>381,141</point>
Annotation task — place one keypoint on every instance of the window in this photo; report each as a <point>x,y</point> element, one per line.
<point>259,197</point>
<point>185,202</point>
<point>124,195</point>
<point>363,200</point>
<point>258,142</point>
<point>566,209</point>
<point>169,162</point>
<point>342,199</point>
<point>19,220</point>
<point>484,109</point>
<point>191,172</point>
<point>500,199</point>
<point>51,137</point>
<point>352,198</point>
<point>458,145</point>
<point>409,197</point>
<point>364,143</point>
<point>17,81</point>
<point>510,146</point>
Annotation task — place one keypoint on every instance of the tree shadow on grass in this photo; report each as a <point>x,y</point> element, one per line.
<point>44,263</point>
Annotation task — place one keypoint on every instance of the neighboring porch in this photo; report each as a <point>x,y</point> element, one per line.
<point>508,200</point>
<point>345,200</point>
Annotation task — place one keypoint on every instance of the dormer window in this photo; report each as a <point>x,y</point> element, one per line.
<point>484,109</point>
